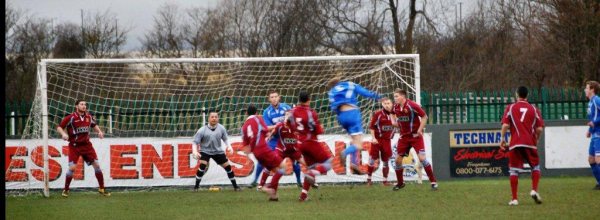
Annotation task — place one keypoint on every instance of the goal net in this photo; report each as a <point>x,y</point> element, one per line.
<point>149,109</point>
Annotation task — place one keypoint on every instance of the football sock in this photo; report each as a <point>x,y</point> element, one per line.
<point>428,170</point>
<point>386,169</point>
<point>259,169</point>
<point>535,179</point>
<point>596,171</point>
<point>399,175</point>
<point>200,173</point>
<point>296,167</point>
<point>69,177</point>
<point>514,183</point>
<point>231,176</point>
<point>263,178</point>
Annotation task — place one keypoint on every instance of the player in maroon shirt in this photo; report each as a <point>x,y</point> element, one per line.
<point>77,125</point>
<point>411,119</point>
<point>287,145</point>
<point>254,135</point>
<point>382,128</point>
<point>526,125</point>
<point>305,122</point>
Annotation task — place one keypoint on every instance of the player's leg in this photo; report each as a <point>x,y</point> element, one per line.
<point>204,158</point>
<point>419,145</point>
<point>297,172</point>
<point>310,178</point>
<point>534,163</point>
<point>263,178</point>
<point>594,160</point>
<point>73,157</point>
<point>90,157</point>
<point>222,160</point>
<point>373,156</point>
<point>352,122</point>
<point>386,154</point>
<point>275,163</point>
<point>402,149</point>
<point>515,165</point>
<point>259,171</point>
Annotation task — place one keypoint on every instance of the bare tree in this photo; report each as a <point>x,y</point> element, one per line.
<point>68,42</point>
<point>102,35</point>
<point>166,37</point>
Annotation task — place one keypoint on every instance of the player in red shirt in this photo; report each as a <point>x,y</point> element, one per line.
<point>287,145</point>
<point>77,125</point>
<point>305,122</point>
<point>411,119</point>
<point>526,125</point>
<point>254,136</point>
<point>382,128</point>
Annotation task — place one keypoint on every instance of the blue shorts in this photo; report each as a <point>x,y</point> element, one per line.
<point>351,121</point>
<point>594,150</point>
<point>272,144</point>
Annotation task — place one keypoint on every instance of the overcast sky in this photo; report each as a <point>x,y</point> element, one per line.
<point>136,14</point>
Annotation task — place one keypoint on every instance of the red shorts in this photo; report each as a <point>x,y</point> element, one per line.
<point>314,152</point>
<point>384,146</point>
<point>292,154</point>
<point>406,142</point>
<point>518,155</point>
<point>267,157</point>
<point>84,150</point>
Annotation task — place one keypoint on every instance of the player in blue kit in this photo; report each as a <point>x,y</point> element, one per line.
<point>344,103</point>
<point>591,92</point>
<point>272,115</point>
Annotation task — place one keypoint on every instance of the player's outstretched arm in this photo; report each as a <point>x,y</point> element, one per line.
<point>365,92</point>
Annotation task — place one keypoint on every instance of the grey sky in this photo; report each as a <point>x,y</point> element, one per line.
<point>138,14</point>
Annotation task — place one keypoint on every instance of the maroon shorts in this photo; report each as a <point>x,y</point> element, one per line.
<point>384,146</point>
<point>314,152</point>
<point>292,154</point>
<point>406,142</point>
<point>517,157</point>
<point>267,157</point>
<point>84,150</point>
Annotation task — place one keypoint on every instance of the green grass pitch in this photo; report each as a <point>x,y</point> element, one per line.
<point>563,198</point>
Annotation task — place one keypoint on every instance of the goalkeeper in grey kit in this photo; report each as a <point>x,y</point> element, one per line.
<point>207,145</point>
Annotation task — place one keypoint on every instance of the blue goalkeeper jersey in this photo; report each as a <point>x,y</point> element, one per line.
<point>347,93</point>
<point>594,115</point>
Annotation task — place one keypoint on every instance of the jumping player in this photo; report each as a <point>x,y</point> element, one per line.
<point>305,122</point>
<point>526,125</point>
<point>411,119</point>
<point>344,103</point>
<point>77,126</point>
<point>254,134</point>
<point>382,128</point>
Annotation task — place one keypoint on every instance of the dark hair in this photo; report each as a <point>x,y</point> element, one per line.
<point>400,91</point>
<point>210,111</point>
<point>79,101</point>
<point>303,96</point>
<point>522,92</point>
<point>271,92</point>
<point>594,86</point>
<point>251,110</point>
<point>333,81</point>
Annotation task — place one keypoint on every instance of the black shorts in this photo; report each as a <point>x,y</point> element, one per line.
<point>219,158</point>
